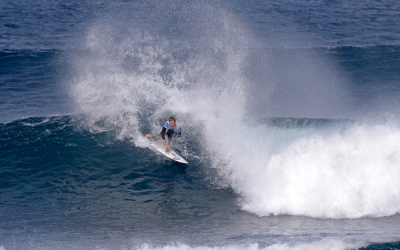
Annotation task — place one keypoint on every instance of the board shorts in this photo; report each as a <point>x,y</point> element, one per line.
<point>169,134</point>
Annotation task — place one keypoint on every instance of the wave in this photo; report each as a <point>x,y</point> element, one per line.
<point>130,79</point>
<point>315,167</point>
<point>325,244</point>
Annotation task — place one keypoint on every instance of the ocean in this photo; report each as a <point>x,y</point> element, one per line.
<point>289,111</point>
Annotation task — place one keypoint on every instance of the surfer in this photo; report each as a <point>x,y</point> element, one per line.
<point>172,129</point>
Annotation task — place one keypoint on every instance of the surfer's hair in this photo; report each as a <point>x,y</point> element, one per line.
<point>171,119</point>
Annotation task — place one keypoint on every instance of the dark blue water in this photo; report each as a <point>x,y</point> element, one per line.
<point>289,112</point>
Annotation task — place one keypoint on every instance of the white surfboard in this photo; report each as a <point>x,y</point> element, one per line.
<point>171,154</point>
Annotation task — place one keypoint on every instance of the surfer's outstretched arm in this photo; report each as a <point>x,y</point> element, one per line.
<point>149,136</point>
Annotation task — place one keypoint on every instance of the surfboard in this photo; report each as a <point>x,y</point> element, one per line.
<point>171,154</point>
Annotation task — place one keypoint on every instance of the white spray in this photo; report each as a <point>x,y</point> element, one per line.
<point>129,75</point>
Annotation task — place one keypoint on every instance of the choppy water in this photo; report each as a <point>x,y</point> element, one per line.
<point>289,112</point>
